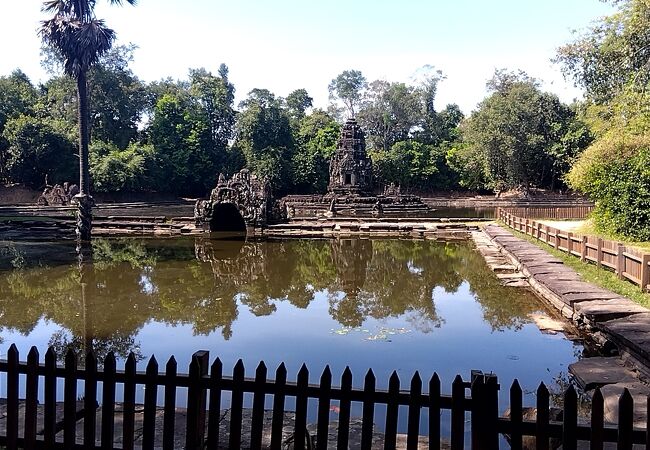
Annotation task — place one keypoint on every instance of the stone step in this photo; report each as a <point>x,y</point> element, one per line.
<point>598,371</point>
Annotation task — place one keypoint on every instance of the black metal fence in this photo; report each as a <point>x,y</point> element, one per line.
<point>30,424</point>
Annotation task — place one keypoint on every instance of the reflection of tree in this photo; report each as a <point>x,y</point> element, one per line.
<point>200,283</point>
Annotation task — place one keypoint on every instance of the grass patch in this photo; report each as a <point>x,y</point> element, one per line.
<point>591,273</point>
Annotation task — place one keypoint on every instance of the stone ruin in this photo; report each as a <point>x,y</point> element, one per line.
<point>245,201</point>
<point>57,195</point>
<point>351,187</point>
<point>235,204</point>
<point>350,166</point>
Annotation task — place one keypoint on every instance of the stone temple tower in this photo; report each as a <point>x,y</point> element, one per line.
<point>350,166</point>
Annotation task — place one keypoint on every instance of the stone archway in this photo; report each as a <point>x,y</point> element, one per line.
<point>227,218</point>
<point>244,197</point>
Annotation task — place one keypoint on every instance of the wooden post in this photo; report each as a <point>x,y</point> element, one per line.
<point>645,272</point>
<point>583,249</point>
<point>569,245</point>
<point>539,231</point>
<point>599,253</point>
<point>620,261</point>
<point>557,238</point>
<point>526,232</point>
<point>196,400</point>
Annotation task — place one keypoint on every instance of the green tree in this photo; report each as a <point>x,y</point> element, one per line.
<point>17,97</point>
<point>515,130</point>
<point>298,102</point>
<point>316,139</point>
<point>265,138</point>
<point>612,55</point>
<point>348,87</point>
<point>185,160</point>
<point>390,112</point>
<point>215,96</point>
<point>36,149</point>
<point>80,38</point>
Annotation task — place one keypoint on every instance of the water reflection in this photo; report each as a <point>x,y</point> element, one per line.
<point>201,283</point>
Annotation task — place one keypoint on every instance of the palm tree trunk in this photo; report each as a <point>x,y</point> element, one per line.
<point>84,200</point>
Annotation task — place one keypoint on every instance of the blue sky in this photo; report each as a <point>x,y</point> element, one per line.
<point>282,45</point>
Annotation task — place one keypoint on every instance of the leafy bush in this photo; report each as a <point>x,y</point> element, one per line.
<point>115,170</point>
<point>615,172</point>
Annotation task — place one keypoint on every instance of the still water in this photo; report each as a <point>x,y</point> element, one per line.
<point>401,305</point>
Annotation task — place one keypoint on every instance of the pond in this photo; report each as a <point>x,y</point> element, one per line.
<point>404,305</point>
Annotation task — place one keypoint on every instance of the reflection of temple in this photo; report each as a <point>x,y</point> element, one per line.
<point>351,258</point>
<point>350,166</point>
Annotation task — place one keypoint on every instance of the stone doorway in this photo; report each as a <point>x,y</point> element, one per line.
<point>227,218</point>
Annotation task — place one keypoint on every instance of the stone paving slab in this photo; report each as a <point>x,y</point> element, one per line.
<point>612,393</point>
<point>597,371</point>
<point>606,310</point>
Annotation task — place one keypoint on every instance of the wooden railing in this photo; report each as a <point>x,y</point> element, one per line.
<point>204,399</point>
<point>628,263</point>
<point>551,212</point>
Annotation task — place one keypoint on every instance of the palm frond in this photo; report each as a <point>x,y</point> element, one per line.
<point>80,44</point>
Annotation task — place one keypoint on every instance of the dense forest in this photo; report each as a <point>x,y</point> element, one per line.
<point>176,136</point>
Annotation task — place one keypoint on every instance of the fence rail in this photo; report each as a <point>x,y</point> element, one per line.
<point>628,263</point>
<point>550,212</point>
<point>27,424</point>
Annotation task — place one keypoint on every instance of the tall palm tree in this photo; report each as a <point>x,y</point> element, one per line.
<point>80,39</point>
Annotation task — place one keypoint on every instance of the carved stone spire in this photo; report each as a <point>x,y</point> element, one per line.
<point>350,166</point>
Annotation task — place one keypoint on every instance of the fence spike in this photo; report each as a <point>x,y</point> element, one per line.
<point>31,398</point>
<point>91,358</point>
<point>277,422</point>
<point>12,397</point>
<point>33,353</point>
<point>152,365</point>
<point>49,419</point>
<point>70,357</point>
<point>597,419</point>
<point>625,419</point>
<point>303,372</point>
<point>131,360</point>
<point>261,369</point>
<point>370,377</point>
<point>326,375</point>
<point>300,426</point>
<point>50,354</point>
<point>217,366</point>
<point>516,414</point>
<point>239,368</point>
<point>347,375</point>
<point>413,422</point>
<point>416,380</point>
<point>109,360</point>
<point>281,371</point>
<point>394,379</point>
<point>457,413</point>
<point>171,362</point>
<point>570,418</point>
